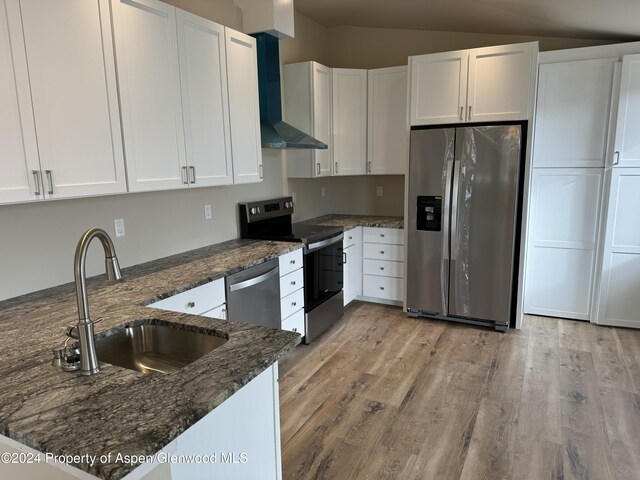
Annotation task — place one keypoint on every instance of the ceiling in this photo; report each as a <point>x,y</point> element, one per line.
<point>597,19</point>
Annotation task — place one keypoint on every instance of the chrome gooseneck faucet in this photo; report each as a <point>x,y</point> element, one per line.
<point>88,359</point>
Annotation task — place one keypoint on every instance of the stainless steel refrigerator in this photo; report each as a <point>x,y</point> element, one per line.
<point>463,223</point>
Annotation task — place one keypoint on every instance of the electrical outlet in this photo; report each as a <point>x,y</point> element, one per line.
<point>118,224</point>
<point>324,192</point>
<point>293,197</point>
<point>379,191</point>
<point>207,212</point>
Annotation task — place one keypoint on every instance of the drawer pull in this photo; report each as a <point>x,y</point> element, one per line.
<point>293,283</point>
<point>223,313</point>
<point>381,288</point>
<point>381,268</point>
<point>295,329</point>
<point>381,252</point>
<point>382,235</point>
<point>293,304</point>
<point>350,238</point>
<point>292,262</point>
<point>191,304</point>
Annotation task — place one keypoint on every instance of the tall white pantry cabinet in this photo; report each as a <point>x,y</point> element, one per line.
<point>583,249</point>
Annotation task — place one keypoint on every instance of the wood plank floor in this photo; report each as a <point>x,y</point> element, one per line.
<point>385,396</point>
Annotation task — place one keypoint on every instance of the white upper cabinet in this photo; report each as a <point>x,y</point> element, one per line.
<point>500,82</point>
<point>388,135</point>
<point>479,85</point>
<point>572,113</point>
<point>438,88</point>
<point>73,98</point>
<point>349,92</point>
<point>149,79</point>
<point>19,165</point>
<point>244,109</point>
<point>619,299</point>
<point>307,103</point>
<point>205,105</point>
<point>627,140</point>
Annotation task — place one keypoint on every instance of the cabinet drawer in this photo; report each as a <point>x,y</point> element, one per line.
<point>385,288</point>
<point>290,261</point>
<point>393,236</point>
<point>219,312</point>
<point>197,300</point>
<point>291,282</point>
<point>383,268</point>
<point>351,237</point>
<point>377,251</point>
<point>291,303</point>
<point>295,322</point>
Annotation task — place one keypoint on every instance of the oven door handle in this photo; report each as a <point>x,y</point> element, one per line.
<point>324,243</point>
<point>253,281</point>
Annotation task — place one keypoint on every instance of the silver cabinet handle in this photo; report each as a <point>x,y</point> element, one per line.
<point>469,117</point>
<point>382,252</point>
<point>318,168</point>
<point>382,235</point>
<point>336,168</point>
<point>617,155</point>
<point>49,175</point>
<point>369,167</point>
<point>294,329</point>
<point>223,313</point>
<point>185,175</point>
<point>461,112</point>
<point>381,288</point>
<point>261,172</point>
<point>292,262</point>
<point>193,174</point>
<point>37,181</point>
<point>293,304</point>
<point>381,268</point>
<point>350,237</point>
<point>344,257</point>
<point>191,304</point>
<point>293,283</point>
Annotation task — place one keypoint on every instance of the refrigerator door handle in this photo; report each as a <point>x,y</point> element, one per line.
<point>446,212</point>
<point>454,211</point>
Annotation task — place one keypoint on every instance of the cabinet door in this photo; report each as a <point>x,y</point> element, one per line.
<point>349,90</point>
<point>388,135</point>
<point>205,106</point>
<point>244,110</point>
<point>578,94</point>
<point>563,241</point>
<point>19,152</point>
<point>619,294</point>
<point>627,143</point>
<point>149,80</point>
<point>69,49</point>
<point>438,88</point>
<point>322,118</point>
<point>500,82</point>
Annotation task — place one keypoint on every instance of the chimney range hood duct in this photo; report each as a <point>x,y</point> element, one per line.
<point>275,132</point>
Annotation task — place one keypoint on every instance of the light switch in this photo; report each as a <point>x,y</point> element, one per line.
<point>118,224</point>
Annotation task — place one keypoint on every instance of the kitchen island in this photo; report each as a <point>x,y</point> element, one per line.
<point>121,411</point>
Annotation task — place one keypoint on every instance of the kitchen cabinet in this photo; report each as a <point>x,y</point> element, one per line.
<point>579,94</point>
<point>352,273</point>
<point>619,299</point>
<point>207,300</point>
<point>479,85</point>
<point>562,246</point>
<point>349,112</point>
<point>292,292</point>
<point>627,146</point>
<point>383,265</point>
<point>307,104</point>
<point>205,104</point>
<point>244,109</point>
<point>61,85</point>
<point>149,78</point>
<point>387,131</point>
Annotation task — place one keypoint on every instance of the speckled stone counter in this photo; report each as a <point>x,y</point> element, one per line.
<point>351,221</point>
<point>121,410</point>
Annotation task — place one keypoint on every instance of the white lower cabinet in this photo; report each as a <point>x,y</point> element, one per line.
<point>620,289</point>
<point>383,264</point>
<point>207,300</point>
<point>292,292</point>
<point>352,273</point>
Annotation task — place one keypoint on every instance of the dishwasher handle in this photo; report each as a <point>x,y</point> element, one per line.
<point>253,281</point>
<point>312,247</point>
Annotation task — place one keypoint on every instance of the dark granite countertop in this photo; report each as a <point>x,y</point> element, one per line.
<point>351,221</point>
<point>121,410</point>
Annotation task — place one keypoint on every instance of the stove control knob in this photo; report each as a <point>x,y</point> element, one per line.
<point>253,210</point>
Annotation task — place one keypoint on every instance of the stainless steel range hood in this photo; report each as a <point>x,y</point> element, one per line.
<point>275,132</point>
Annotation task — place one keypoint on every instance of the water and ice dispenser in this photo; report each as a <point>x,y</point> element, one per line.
<point>429,213</point>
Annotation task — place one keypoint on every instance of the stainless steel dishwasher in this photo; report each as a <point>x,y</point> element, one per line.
<point>253,295</point>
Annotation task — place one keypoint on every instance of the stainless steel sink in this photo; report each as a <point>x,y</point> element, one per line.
<point>151,348</point>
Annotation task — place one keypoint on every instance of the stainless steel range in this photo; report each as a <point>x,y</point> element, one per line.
<point>323,257</point>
